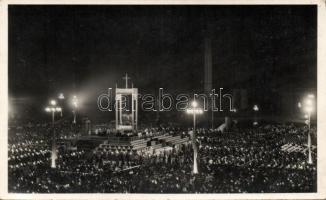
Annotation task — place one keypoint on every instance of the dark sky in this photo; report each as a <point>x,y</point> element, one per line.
<point>262,47</point>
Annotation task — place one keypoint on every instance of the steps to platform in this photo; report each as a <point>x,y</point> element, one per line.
<point>155,142</point>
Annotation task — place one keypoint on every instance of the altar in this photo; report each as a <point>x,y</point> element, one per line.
<point>126,107</point>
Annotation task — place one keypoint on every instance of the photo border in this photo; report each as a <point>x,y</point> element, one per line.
<point>321,99</point>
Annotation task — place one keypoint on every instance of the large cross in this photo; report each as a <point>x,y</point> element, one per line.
<point>126,78</point>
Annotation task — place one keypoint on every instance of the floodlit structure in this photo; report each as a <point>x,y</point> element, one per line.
<point>126,107</point>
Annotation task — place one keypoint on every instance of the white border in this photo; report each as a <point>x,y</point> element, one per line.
<point>321,137</point>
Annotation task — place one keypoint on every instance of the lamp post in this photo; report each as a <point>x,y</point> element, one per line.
<point>61,98</point>
<point>53,108</point>
<point>194,111</point>
<point>308,108</point>
<point>309,140</point>
<point>256,109</point>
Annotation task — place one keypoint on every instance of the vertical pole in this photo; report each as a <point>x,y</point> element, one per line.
<point>116,113</point>
<point>136,114</point>
<point>54,149</point>
<point>309,140</point>
<point>194,121</point>
<point>212,117</point>
<point>120,111</point>
<point>195,168</point>
<point>133,111</point>
<point>74,112</point>
<point>89,127</point>
<point>74,122</point>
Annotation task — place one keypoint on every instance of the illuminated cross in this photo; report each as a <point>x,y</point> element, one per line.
<point>126,78</point>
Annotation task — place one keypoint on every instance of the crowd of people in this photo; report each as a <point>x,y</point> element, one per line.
<point>242,160</point>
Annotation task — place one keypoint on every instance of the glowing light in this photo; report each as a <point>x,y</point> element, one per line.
<point>306,116</point>
<point>53,102</point>
<point>61,96</point>
<point>308,105</point>
<point>255,108</point>
<point>309,102</point>
<point>299,105</point>
<point>194,104</point>
<point>47,109</point>
<point>311,96</point>
<point>58,109</point>
<point>53,158</point>
<point>75,101</point>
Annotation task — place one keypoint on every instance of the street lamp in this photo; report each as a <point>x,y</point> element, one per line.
<point>308,107</point>
<point>75,106</point>
<point>194,111</point>
<point>53,109</point>
<point>53,103</point>
<point>256,109</point>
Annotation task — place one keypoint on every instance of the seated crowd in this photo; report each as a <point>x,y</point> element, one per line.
<point>242,160</point>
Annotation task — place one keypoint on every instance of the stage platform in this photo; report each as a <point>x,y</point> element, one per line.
<point>109,143</point>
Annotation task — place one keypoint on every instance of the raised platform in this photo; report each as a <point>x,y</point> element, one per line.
<point>125,143</point>
<point>136,143</point>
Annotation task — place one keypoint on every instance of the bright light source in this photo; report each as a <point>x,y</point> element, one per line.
<point>75,101</point>
<point>47,109</point>
<point>308,105</point>
<point>53,102</point>
<point>311,96</point>
<point>255,108</point>
<point>194,104</point>
<point>234,110</point>
<point>53,109</point>
<point>309,102</point>
<point>306,116</point>
<point>58,109</point>
<point>299,105</point>
<point>61,96</point>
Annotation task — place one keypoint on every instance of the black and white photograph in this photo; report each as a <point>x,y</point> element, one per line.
<point>162,99</point>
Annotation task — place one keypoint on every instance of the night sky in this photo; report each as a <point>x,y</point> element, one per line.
<point>88,49</point>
